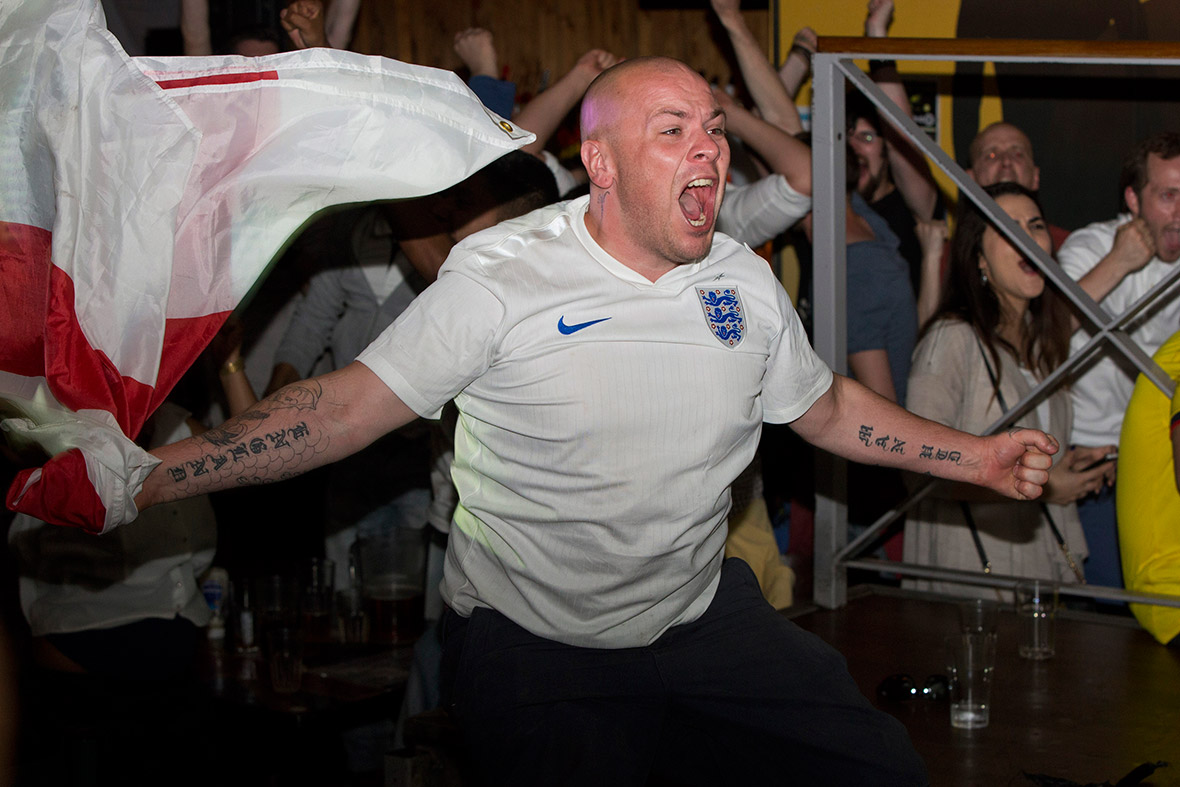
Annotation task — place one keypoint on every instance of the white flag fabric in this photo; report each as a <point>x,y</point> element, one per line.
<point>141,198</point>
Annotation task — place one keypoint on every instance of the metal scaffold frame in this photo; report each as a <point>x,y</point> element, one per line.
<point>833,69</point>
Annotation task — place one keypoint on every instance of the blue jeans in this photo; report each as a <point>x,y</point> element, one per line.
<point>1104,565</point>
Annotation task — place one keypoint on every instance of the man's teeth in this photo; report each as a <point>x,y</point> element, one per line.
<point>699,183</point>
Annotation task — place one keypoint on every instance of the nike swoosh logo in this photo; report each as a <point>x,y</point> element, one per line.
<point>568,329</point>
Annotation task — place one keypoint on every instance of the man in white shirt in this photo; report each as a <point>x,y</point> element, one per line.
<point>612,362</point>
<point>1116,262</point>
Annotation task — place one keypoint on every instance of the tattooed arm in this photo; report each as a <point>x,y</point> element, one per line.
<point>300,427</point>
<point>853,422</point>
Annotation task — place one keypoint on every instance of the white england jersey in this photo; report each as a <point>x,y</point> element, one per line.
<point>602,419</point>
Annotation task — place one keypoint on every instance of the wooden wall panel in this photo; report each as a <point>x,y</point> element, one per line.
<point>539,40</point>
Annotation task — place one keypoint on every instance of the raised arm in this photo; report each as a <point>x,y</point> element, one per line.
<point>853,422</point>
<point>762,81</point>
<point>301,427</point>
<point>1133,248</point>
<point>341,18</point>
<point>476,47</point>
<point>544,113</point>
<point>797,67</point>
<point>194,28</point>
<point>782,152</point>
<point>911,173</point>
<point>932,238</point>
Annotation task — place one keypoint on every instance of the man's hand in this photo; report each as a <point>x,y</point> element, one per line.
<point>1016,463</point>
<point>805,39</point>
<point>304,22</point>
<point>1133,246</point>
<point>595,62</point>
<point>724,100</point>
<point>475,48</point>
<point>880,15</point>
<point>931,238</point>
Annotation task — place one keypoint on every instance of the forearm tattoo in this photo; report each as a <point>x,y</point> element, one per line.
<point>253,447</point>
<point>895,445</point>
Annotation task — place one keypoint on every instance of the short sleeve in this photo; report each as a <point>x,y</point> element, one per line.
<point>442,342</point>
<point>1082,250</point>
<point>795,375</point>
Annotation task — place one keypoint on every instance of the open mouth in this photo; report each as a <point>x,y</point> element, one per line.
<point>1170,238</point>
<point>696,201</point>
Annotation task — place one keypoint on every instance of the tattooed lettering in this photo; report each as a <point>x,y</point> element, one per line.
<point>887,443</point>
<point>940,454</point>
<point>241,453</point>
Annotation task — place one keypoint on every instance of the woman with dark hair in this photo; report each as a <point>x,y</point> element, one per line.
<point>999,332</point>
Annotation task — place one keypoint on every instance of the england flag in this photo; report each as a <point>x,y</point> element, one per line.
<point>141,198</point>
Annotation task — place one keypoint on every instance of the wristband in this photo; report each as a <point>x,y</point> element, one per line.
<point>232,367</point>
<point>807,53</point>
<point>878,65</point>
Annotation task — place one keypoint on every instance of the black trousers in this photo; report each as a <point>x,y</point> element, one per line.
<point>740,696</point>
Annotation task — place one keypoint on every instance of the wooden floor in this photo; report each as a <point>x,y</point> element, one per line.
<point>1106,703</point>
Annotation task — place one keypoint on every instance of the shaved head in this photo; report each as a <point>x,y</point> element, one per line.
<point>977,144</point>
<point>1002,153</point>
<point>603,102</point>
<point>654,148</point>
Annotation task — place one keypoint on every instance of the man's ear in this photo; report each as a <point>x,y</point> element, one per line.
<point>1132,200</point>
<point>599,163</point>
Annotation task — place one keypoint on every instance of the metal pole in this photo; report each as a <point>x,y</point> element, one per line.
<point>828,308</point>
